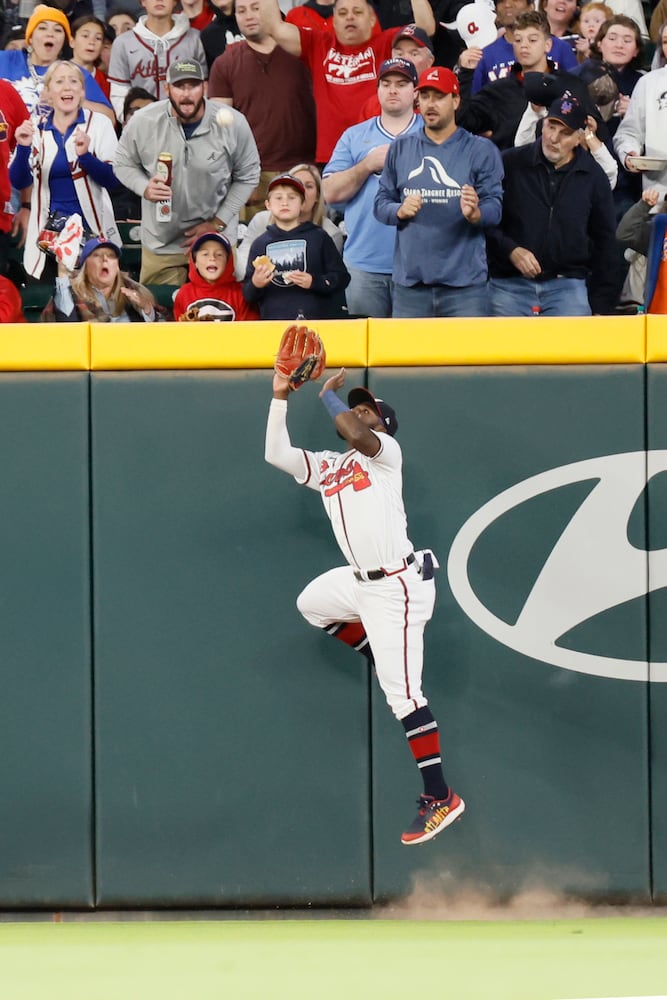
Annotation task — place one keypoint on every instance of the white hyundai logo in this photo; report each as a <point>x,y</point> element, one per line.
<point>592,568</point>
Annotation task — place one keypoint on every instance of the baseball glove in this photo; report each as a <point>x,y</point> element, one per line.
<point>301,356</point>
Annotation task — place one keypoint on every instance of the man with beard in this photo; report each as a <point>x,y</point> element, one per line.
<point>214,169</point>
<point>441,188</point>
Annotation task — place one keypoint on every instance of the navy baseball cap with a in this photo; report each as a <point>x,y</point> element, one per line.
<point>385,412</point>
<point>568,111</point>
<point>96,244</point>
<point>216,237</point>
<point>401,66</point>
<point>417,35</point>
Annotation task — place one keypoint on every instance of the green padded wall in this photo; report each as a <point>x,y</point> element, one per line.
<point>45,712</point>
<point>231,741</point>
<point>553,763</point>
<point>656,393</point>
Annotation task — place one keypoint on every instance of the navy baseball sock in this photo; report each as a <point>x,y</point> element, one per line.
<point>352,634</point>
<point>421,730</point>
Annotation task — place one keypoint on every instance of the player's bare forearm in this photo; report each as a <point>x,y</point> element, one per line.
<point>357,434</point>
<point>281,388</point>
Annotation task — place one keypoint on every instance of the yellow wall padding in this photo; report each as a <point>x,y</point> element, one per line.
<point>511,341</point>
<point>118,346</point>
<point>656,338</point>
<point>44,347</point>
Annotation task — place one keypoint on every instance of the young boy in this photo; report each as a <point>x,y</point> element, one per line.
<point>294,267</point>
<point>142,55</point>
<point>212,293</point>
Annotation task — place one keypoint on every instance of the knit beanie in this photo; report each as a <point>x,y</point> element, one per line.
<point>44,13</point>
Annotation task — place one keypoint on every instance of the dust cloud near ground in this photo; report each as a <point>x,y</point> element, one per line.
<point>442,897</point>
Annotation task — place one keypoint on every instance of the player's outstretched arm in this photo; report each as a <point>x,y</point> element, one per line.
<point>357,434</point>
<point>278,449</point>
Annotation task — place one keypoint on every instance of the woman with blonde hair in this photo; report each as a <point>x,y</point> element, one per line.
<point>100,292</point>
<point>47,33</point>
<point>66,156</point>
<point>314,210</point>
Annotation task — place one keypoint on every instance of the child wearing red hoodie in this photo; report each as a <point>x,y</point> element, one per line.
<point>212,293</point>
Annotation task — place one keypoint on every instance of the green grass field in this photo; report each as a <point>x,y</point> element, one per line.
<point>320,959</point>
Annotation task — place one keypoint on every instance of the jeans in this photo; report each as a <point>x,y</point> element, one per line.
<point>521,297</point>
<point>369,293</point>
<point>414,301</point>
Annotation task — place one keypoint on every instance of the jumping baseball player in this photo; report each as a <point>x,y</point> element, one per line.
<point>381,601</point>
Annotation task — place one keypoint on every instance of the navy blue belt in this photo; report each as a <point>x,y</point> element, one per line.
<point>377,574</point>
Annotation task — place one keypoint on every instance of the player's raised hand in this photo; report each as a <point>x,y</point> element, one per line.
<point>334,382</point>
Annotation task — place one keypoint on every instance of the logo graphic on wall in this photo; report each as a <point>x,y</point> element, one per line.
<point>593,568</point>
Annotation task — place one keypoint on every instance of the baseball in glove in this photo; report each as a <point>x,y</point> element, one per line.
<point>301,356</point>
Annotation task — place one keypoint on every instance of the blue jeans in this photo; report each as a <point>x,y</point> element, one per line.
<point>411,302</point>
<point>521,297</point>
<point>369,293</point>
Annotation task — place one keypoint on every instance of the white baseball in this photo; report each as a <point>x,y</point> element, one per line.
<point>224,117</point>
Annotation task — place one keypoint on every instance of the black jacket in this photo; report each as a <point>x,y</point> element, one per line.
<point>216,36</point>
<point>565,217</point>
<point>306,248</point>
<point>499,106</point>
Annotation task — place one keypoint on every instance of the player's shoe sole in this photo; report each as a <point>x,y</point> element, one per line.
<point>433,817</point>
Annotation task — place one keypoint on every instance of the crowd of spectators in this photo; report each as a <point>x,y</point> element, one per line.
<point>227,160</point>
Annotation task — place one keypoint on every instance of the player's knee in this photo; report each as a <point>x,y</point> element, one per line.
<point>402,706</point>
<point>306,607</point>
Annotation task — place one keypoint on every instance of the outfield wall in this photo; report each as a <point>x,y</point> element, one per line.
<point>173,734</point>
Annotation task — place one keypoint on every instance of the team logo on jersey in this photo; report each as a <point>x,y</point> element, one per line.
<point>431,172</point>
<point>662,101</point>
<point>211,310</point>
<point>351,474</point>
<point>4,128</point>
<point>596,566</point>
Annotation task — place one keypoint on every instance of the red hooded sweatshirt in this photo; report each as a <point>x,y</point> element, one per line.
<point>221,300</point>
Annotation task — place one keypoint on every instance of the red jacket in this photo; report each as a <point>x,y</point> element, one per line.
<point>12,112</point>
<point>222,300</point>
<point>11,306</point>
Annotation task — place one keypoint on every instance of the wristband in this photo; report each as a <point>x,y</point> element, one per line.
<point>26,204</point>
<point>333,405</point>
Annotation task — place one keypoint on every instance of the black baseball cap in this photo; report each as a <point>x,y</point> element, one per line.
<point>568,111</point>
<point>401,66</point>
<point>385,412</point>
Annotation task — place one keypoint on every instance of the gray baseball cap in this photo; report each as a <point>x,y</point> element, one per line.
<point>185,69</point>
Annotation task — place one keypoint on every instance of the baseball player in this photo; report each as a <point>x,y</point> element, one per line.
<point>381,601</point>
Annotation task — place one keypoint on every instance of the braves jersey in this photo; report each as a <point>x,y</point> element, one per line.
<point>363,498</point>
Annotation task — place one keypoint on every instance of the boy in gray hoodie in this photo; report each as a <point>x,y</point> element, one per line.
<point>141,57</point>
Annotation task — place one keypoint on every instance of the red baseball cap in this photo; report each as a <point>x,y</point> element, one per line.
<point>439,78</point>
